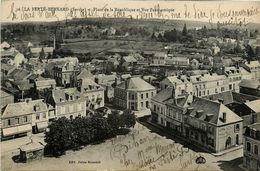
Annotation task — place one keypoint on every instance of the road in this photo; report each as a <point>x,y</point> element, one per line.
<point>141,149</point>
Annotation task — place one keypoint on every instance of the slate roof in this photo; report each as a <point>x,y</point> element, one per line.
<point>197,72</point>
<point>129,58</point>
<point>178,59</point>
<point>24,108</point>
<point>255,126</point>
<point>107,78</point>
<point>254,105</point>
<point>160,54</point>
<point>89,85</point>
<point>32,146</point>
<point>254,84</point>
<point>229,97</point>
<point>9,52</point>
<point>84,73</point>
<point>19,74</point>
<point>39,82</point>
<point>136,83</point>
<point>163,95</point>
<point>179,80</point>
<point>215,109</point>
<point>6,67</point>
<point>60,95</point>
<point>253,64</point>
<point>45,49</point>
<point>4,94</point>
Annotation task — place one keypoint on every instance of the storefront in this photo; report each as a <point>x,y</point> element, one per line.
<point>41,126</point>
<point>17,130</point>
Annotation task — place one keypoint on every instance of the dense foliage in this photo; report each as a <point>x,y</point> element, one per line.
<point>64,134</point>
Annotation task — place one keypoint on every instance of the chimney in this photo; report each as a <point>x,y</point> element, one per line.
<point>96,80</point>
<point>208,117</point>
<point>220,100</point>
<point>199,113</point>
<point>126,84</point>
<point>189,110</point>
<point>150,80</point>
<point>175,85</point>
<point>224,117</point>
<point>115,81</point>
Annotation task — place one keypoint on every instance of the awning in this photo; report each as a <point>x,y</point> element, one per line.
<point>42,125</point>
<point>17,130</point>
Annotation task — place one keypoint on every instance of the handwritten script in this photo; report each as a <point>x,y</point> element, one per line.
<point>148,153</point>
<point>189,11</point>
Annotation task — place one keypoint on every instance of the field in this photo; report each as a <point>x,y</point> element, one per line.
<point>97,46</point>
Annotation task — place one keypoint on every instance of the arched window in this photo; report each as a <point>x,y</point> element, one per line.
<point>228,142</point>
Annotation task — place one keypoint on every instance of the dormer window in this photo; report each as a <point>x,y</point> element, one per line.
<point>36,107</point>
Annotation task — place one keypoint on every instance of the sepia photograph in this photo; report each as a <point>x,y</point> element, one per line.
<point>130,85</point>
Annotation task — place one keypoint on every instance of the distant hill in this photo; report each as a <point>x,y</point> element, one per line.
<point>116,22</point>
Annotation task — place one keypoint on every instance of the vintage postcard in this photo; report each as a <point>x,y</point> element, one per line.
<point>130,85</point>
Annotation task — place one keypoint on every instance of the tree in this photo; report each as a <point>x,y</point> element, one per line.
<point>249,52</point>
<point>83,131</point>
<point>115,121</point>
<point>100,126</point>
<point>59,137</point>
<point>128,119</point>
<point>184,30</point>
<point>160,37</point>
<point>42,54</point>
<point>218,25</point>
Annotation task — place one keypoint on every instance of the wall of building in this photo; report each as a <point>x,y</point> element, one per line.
<point>251,159</point>
<point>160,110</point>
<point>24,119</point>
<point>120,98</point>
<point>226,132</point>
<point>93,96</point>
<point>73,108</point>
<point>39,117</point>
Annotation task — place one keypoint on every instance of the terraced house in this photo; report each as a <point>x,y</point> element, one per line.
<point>203,84</point>
<point>251,158</point>
<point>168,109</point>
<point>65,74</point>
<point>212,125</point>
<point>24,117</point>
<point>92,92</point>
<point>67,102</point>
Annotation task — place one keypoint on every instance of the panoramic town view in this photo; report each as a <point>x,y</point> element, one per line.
<point>91,94</point>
